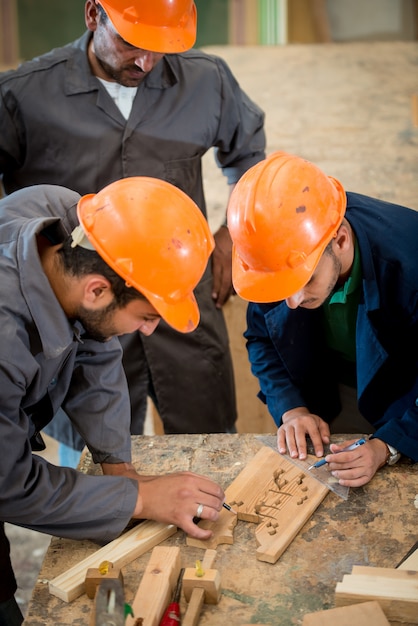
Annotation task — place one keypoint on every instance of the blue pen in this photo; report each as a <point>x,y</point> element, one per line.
<point>352,447</point>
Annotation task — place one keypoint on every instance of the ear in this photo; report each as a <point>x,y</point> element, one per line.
<point>91,15</point>
<point>343,239</point>
<point>97,292</point>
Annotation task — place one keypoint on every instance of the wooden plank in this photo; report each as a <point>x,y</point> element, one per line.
<point>384,572</point>
<point>274,493</point>
<point>410,562</point>
<point>395,590</point>
<point>121,551</point>
<point>363,614</point>
<point>381,587</point>
<point>156,587</point>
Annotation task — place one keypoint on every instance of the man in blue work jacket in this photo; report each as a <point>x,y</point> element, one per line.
<point>332,280</point>
<point>131,98</point>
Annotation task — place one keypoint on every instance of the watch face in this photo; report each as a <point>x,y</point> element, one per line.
<point>394,458</point>
<point>394,455</point>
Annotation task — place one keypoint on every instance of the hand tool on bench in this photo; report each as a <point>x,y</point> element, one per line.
<point>171,615</point>
<point>109,603</point>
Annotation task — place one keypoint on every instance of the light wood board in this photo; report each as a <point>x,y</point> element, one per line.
<point>363,614</point>
<point>411,562</point>
<point>121,551</point>
<point>156,586</point>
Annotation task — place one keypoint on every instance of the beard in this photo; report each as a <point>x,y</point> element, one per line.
<point>98,325</point>
<point>118,74</point>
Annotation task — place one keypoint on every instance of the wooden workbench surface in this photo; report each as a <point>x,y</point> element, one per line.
<point>375,526</point>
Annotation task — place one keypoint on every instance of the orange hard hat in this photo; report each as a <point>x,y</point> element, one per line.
<point>156,238</point>
<point>282,214</point>
<point>158,25</point>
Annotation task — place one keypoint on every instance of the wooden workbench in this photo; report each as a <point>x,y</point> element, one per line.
<point>376,526</point>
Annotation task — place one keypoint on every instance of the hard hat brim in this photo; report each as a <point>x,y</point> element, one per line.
<point>183,315</point>
<point>263,287</point>
<point>167,40</point>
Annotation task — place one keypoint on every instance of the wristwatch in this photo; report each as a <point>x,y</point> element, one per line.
<point>393,455</point>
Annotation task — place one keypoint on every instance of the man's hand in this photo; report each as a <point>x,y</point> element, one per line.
<point>222,287</point>
<point>173,498</point>
<point>298,424</point>
<point>357,467</point>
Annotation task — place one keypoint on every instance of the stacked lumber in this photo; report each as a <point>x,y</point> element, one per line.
<point>396,590</point>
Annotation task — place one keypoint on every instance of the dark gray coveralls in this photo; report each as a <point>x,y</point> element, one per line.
<point>59,125</point>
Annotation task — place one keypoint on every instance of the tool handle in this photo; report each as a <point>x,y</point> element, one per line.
<point>171,615</point>
<point>354,445</point>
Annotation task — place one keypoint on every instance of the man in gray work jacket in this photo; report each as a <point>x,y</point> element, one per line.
<point>129,99</point>
<point>332,280</point>
<point>68,288</point>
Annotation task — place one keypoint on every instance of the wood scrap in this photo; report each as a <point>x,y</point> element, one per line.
<point>362,614</point>
<point>395,590</point>
<point>121,551</point>
<point>196,593</point>
<point>410,560</point>
<point>94,576</point>
<point>272,492</point>
<point>156,586</point>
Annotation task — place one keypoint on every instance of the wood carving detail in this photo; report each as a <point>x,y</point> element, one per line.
<point>275,494</point>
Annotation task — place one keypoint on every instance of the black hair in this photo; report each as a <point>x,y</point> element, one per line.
<point>79,262</point>
<point>103,15</point>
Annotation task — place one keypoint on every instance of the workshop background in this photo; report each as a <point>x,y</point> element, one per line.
<point>361,144</point>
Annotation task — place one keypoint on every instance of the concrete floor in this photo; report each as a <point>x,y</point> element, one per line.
<point>28,547</point>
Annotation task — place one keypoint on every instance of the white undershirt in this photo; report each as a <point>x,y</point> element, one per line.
<point>122,96</point>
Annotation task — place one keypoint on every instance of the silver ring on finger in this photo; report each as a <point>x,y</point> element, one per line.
<point>199,510</point>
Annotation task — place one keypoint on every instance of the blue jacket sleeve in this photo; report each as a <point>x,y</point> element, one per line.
<point>276,387</point>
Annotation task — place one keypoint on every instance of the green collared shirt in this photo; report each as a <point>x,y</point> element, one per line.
<point>340,316</point>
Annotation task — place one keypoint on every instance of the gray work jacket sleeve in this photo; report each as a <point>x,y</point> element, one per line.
<point>240,141</point>
<point>54,500</point>
<point>97,401</point>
